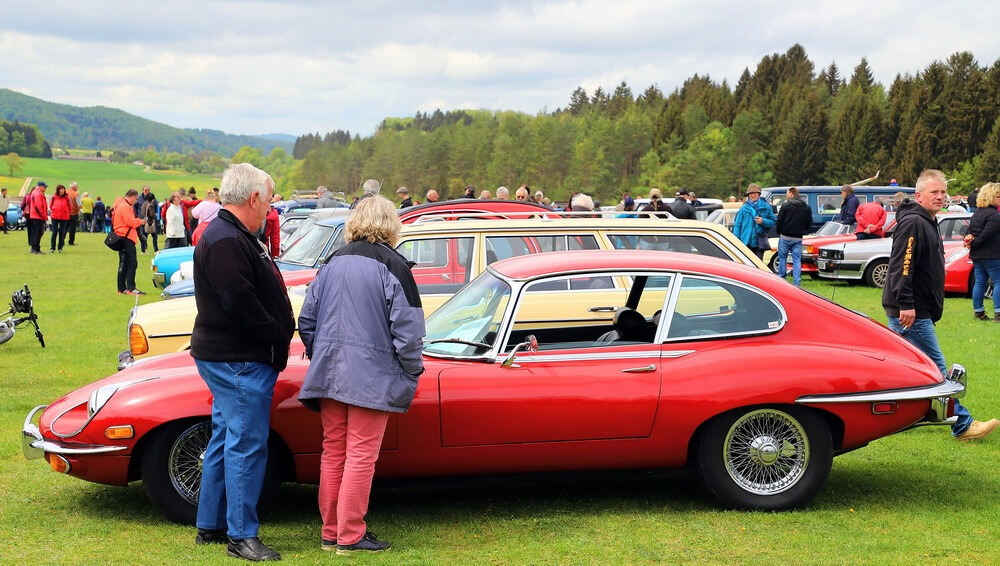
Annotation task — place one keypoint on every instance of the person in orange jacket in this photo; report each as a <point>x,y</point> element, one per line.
<point>124,223</point>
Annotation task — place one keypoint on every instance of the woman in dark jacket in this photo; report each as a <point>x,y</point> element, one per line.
<point>983,242</point>
<point>59,212</point>
<point>363,327</point>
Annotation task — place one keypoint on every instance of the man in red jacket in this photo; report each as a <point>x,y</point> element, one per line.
<point>870,220</point>
<point>272,232</point>
<point>38,213</point>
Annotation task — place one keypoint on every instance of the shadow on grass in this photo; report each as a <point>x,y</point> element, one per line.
<point>912,485</point>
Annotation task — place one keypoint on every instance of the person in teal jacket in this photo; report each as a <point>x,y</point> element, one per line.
<point>753,221</point>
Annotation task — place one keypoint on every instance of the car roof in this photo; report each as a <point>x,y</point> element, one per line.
<point>548,224</point>
<point>565,262</point>
<point>836,188</point>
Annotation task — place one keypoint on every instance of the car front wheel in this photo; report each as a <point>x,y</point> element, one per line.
<point>877,273</point>
<point>765,458</point>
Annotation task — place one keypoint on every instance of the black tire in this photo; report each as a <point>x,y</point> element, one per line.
<point>772,264</point>
<point>765,458</point>
<point>171,470</point>
<point>876,273</point>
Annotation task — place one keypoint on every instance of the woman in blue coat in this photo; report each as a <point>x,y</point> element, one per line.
<point>753,221</point>
<point>363,328</point>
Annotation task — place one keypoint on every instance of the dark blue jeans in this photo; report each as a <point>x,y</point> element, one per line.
<point>232,474</point>
<point>986,269</point>
<point>922,335</point>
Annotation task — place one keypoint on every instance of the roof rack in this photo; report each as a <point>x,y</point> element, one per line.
<point>452,215</point>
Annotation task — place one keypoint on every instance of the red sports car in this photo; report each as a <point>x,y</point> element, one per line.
<point>707,362</point>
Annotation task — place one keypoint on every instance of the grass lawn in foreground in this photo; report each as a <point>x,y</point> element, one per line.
<point>916,497</point>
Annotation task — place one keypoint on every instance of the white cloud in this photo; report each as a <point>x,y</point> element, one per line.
<point>253,67</point>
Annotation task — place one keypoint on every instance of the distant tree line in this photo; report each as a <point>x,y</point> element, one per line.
<point>782,124</point>
<point>23,139</point>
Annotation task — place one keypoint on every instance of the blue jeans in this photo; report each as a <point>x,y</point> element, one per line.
<point>922,335</point>
<point>232,474</point>
<point>794,246</point>
<point>986,269</point>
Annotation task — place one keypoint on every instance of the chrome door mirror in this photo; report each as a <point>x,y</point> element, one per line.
<point>530,344</point>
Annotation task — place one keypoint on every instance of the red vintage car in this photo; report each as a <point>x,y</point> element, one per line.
<point>707,362</point>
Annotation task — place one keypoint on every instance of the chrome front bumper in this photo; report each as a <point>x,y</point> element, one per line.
<point>35,447</point>
<point>953,386</point>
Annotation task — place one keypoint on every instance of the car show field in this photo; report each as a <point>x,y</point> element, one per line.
<point>917,493</point>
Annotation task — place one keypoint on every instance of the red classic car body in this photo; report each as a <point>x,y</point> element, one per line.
<point>566,405</point>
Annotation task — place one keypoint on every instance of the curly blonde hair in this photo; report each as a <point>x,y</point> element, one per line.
<point>373,219</point>
<point>987,193</point>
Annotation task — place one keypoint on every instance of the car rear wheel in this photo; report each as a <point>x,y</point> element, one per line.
<point>171,470</point>
<point>765,458</point>
<point>877,273</point>
<point>773,263</point>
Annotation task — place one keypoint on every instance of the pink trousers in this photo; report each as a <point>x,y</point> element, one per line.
<point>352,437</point>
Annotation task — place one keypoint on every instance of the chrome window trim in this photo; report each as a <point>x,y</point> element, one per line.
<point>594,356</point>
<point>676,292</point>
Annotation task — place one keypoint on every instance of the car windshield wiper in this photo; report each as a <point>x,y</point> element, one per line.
<point>458,341</point>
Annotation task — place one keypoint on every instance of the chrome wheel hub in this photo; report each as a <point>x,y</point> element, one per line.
<point>766,452</point>
<point>186,458</point>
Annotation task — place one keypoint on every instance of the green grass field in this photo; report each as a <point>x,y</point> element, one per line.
<point>108,180</point>
<point>916,497</point>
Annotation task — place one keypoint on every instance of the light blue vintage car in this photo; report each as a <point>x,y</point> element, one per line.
<point>166,262</point>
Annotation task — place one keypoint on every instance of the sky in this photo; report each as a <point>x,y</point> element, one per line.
<point>296,67</point>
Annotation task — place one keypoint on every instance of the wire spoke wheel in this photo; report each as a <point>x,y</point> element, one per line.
<point>185,460</point>
<point>766,452</point>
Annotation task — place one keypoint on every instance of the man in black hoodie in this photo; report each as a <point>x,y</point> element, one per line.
<point>913,297</point>
<point>794,220</point>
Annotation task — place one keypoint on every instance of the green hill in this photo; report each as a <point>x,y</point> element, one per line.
<point>100,127</point>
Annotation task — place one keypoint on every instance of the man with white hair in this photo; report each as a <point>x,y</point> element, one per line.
<point>913,296</point>
<point>368,188</point>
<point>325,200</point>
<point>239,343</point>
<point>521,194</point>
<point>503,193</point>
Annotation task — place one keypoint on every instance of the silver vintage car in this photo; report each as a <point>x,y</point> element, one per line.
<point>868,260</point>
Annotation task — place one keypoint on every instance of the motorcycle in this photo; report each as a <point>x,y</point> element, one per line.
<point>20,302</point>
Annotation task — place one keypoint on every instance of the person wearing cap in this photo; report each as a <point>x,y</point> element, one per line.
<point>470,192</point>
<point>656,204</point>
<point>628,208</point>
<point>404,195</point>
<point>38,213</point>
<point>753,220</point>
<point>680,207</point>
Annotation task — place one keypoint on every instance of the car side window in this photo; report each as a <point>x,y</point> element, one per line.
<point>683,243</point>
<point>503,247</point>
<point>442,265</point>
<point>708,308</point>
<point>954,229</point>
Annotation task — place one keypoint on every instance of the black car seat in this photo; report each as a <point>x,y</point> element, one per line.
<point>630,326</point>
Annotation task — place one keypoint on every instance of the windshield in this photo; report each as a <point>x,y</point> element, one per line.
<point>472,315</point>
<point>833,229</point>
<point>309,249</point>
<point>304,228</point>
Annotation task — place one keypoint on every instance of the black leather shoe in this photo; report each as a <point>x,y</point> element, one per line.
<point>211,536</point>
<point>251,549</point>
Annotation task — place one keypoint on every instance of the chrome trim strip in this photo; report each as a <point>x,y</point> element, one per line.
<point>53,448</point>
<point>946,388</point>
<point>603,356</point>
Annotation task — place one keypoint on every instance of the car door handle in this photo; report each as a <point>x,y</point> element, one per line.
<point>602,309</point>
<point>643,369</point>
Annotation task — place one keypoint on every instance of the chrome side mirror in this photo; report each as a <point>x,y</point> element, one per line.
<point>530,344</point>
